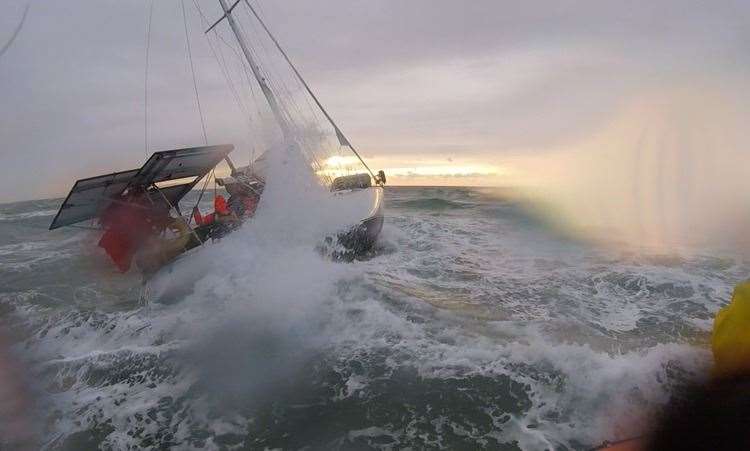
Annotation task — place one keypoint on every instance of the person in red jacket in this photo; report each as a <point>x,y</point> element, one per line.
<point>221,213</point>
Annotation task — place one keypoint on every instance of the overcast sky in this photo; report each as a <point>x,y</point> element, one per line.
<point>414,83</point>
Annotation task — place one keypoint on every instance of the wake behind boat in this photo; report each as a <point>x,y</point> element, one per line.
<point>139,211</point>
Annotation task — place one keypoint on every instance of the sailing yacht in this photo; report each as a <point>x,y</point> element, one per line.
<point>139,211</point>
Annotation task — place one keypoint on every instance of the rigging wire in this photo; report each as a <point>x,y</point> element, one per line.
<point>224,69</point>
<point>253,101</point>
<point>269,77</point>
<point>192,70</point>
<point>286,101</point>
<point>228,79</point>
<point>145,76</point>
<point>239,99</point>
<point>288,90</point>
<point>278,82</point>
<point>339,133</point>
<point>16,32</point>
<point>241,59</point>
<point>314,111</point>
<point>284,118</point>
<point>200,196</point>
<point>238,57</point>
<point>245,70</point>
<point>250,84</point>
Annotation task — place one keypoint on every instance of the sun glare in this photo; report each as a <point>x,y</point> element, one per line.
<point>403,171</point>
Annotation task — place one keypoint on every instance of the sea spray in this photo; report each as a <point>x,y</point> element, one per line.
<point>263,292</point>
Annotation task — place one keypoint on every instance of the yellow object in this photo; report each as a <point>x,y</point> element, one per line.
<point>730,340</point>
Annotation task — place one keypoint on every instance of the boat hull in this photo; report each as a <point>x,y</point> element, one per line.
<point>361,237</point>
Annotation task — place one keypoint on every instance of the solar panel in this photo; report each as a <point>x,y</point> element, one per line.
<point>89,197</point>
<point>181,163</point>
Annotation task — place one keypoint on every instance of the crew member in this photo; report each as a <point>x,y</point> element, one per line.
<point>221,213</point>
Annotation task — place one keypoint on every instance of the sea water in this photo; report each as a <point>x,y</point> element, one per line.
<point>471,325</point>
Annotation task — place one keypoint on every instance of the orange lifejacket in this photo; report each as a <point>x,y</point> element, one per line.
<point>220,208</point>
<point>220,205</point>
<point>200,219</point>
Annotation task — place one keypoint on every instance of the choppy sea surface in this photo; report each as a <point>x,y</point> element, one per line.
<point>472,325</point>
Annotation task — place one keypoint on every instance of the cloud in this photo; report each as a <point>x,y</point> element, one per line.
<point>484,79</point>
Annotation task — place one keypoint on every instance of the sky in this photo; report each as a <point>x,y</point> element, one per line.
<point>486,92</point>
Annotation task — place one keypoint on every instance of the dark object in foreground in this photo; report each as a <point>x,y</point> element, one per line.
<point>711,417</point>
<point>714,416</point>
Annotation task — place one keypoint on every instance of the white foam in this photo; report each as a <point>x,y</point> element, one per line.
<point>26,215</point>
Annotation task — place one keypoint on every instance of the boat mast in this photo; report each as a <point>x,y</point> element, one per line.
<point>343,140</point>
<point>272,102</point>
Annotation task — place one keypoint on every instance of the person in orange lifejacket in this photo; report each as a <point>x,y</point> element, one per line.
<point>221,213</point>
